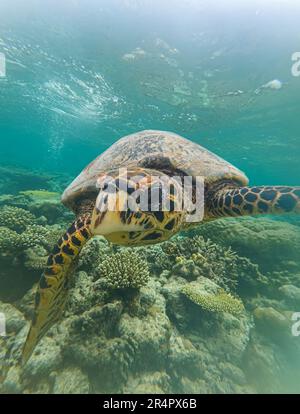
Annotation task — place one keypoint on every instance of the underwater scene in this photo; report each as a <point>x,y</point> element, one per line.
<point>144,303</point>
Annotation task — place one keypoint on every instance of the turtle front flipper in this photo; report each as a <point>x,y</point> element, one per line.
<point>253,200</point>
<point>53,287</point>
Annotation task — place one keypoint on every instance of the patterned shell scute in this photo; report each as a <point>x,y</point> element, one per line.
<point>164,151</point>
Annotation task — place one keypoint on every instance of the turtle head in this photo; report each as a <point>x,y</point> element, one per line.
<point>138,206</point>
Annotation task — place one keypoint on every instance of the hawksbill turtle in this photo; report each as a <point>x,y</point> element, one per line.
<point>147,155</point>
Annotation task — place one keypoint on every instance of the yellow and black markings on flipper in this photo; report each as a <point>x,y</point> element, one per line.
<point>255,200</point>
<point>53,287</point>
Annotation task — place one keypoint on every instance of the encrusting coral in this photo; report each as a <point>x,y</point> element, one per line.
<point>124,269</point>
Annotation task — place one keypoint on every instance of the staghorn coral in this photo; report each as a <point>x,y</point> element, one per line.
<point>15,218</point>
<point>125,269</point>
<point>216,302</point>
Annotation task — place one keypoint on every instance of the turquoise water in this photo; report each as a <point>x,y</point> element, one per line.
<point>82,74</point>
<point>69,94</point>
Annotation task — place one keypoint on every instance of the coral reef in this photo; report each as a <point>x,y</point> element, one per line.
<point>9,241</point>
<point>41,194</point>
<point>267,242</point>
<point>212,261</point>
<point>93,253</point>
<point>15,179</point>
<point>45,204</point>
<point>13,243</point>
<point>15,218</point>
<point>35,258</point>
<point>36,192</point>
<point>24,245</point>
<point>219,301</point>
<point>124,270</point>
<point>206,312</point>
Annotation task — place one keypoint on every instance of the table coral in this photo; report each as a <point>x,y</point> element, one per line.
<point>213,302</point>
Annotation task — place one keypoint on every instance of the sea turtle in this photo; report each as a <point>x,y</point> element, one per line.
<point>135,164</point>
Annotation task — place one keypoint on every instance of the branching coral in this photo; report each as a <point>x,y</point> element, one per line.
<point>207,258</point>
<point>39,235</point>
<point>157,258</point>
<point>33,235</point>
<point>15,218</point>
<point>125,269</point>
<point>13,243</point>
<point>94,252</point>
<point>9,240</point>
<point>35,258</point>
<point>218,302</point>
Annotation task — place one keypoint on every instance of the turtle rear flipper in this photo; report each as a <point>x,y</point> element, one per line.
<point>254,200</point>
<point>53,286</point>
